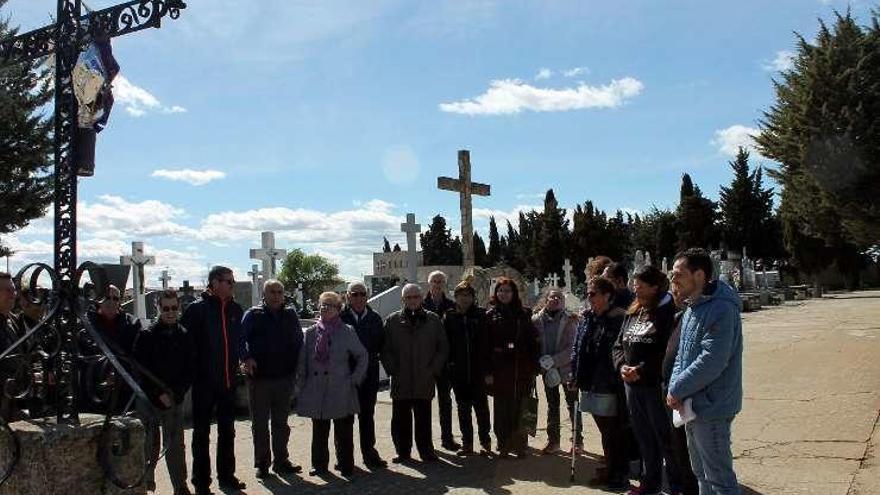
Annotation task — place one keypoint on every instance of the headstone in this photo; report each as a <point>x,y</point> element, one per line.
<point>268,254</point>
<point>569,280</point>
<point>648,259</point>
<point>411,228</point>
<point>165,278</point>
<point>553,280</point>
<point>536,288</point>
<point>466,189</point>
<point>715,255</point>
<point>138,260</point>
<point>255,284</point>
<point>664,265</point>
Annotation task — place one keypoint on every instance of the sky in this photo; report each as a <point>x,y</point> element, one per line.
<point>327,121</point>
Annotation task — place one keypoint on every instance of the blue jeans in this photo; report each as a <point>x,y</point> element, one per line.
<point>709,446</point>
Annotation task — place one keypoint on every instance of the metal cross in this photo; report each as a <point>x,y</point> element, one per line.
<point>466,189</point>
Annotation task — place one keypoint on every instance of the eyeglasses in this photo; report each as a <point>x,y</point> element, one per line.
<point>166,309</point>
<point>358,294</point>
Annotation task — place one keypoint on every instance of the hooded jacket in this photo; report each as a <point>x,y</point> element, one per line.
<point>642,341</point>
<point>216,328</point>
<point>708,367</point>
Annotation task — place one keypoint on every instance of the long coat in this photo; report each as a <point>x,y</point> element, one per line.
<point>513,341</point>
<point>329,390</point>
<point>414,354</point>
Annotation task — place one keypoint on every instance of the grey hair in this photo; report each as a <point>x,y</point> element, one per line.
<point>356,285</point>
<point>410,288</point>
<point>272,282</point>
<point>437,273</point>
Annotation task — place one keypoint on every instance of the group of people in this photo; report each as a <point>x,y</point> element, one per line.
<point>629,358</point>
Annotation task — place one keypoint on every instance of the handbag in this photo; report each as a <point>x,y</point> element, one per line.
<point>598,404</point>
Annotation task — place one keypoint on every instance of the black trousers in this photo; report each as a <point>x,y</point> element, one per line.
<point>553,422</point>
<point>468,397</point>
<point>343,441</point>
<point>444,406</point>
<point>614,445</point>
<point>405,412</point>
<point>367,424</point>
<point>510,434</point>
<point>205,400</point>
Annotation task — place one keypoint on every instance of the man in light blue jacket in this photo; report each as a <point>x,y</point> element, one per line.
<point>708,369</point>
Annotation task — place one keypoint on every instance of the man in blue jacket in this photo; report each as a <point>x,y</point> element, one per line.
<point>708,369</point>
<point>271,338</point>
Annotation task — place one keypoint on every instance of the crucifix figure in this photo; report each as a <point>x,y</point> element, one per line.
<point>165,278</point>
<point>566,271</point>
<point>466,189</point>
<point>138,260</point>
<point>255,284</point>
<point>268,254</point>
<point>411,228</point>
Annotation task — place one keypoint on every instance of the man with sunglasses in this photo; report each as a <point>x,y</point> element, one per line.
<point>271,339</point>
<point>215,324</point>
<point>369,327</point>
<point>167,351</point>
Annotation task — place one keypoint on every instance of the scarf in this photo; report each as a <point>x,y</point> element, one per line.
<point>326,328</point>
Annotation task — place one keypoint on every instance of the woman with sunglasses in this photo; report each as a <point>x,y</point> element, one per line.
<point>332,364</point>
<point>593,372</point>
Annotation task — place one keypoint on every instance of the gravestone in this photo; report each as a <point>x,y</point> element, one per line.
<point>268,254</point>
<point>553,281</point>
<point>411,228</point>
<point>138,260</point>
<point>255,284</point>
<point>187,295</point>
<point>569,279</point>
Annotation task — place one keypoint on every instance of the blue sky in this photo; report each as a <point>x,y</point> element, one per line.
<point>327,121</point>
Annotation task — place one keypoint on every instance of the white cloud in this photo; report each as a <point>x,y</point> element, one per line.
<point>112,217</point>
<point>543,73</point>
<point>575,71</point>
<point>510,96</point>
<point>138,101</point>
<point>190,176</point>
<point>730,139</point>
<point>784,61</point>
<point>502,216</point>
<point>400,165</point>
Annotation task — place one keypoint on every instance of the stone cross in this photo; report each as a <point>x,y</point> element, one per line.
<point>466,189</point>
<point>664,265</point>
<point>138,260</point>
<point>268,254</point>
<point>411,228</point>
<point>566,271</point>
<point>165,278</point>
<point>553,280</point>
<point>255,284</point>
<point>536,288</point>
<point>648,259</point>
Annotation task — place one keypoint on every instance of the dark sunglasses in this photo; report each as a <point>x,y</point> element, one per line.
<point>358,294</point>
<point>166,309</point>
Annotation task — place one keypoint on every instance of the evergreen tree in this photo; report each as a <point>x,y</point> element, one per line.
<point>396,248</point>
<point>494,252</point>
<point>822,129</point>
<point>695,217</point>
<point>386,247</point>
<point>552,237</point>
<point>746,209</point>
<point>25,143</point>
<point>656,233</point>
<point>480,255</point>
<point>437,244</point>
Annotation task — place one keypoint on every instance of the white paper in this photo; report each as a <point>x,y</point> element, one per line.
<point>684,415</point>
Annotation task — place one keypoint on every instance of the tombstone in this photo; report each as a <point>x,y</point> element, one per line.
<point>299,296</point>
<point>255,284</point>
<point>138,260</point>
<point>715,255</point>
<point>268,254</point>
<point>648,259</point>
<point>165,278</point>
<point>466,189</point>
<point>187,296</point>
<point>553,281</point>
<point>411,228</point>
<point>536,288</point>
<point>241,293</point>
<point>569,280</point>
<point>664,265</point>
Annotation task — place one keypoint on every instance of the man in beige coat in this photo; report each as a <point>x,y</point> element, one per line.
<point>414,354</point>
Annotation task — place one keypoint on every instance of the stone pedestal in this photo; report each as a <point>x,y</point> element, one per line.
<point>63,459</point>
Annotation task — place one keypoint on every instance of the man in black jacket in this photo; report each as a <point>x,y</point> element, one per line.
<point>166,350</point>
<point>437,303</point>
<point>271,338</point>
<point>369,327</point>
<point>215,324</point>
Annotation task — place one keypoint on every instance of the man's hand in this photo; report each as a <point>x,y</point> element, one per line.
<point>165,399</point>
<point>672,402</point>
<point>249,366</point>
<point>629,374</point>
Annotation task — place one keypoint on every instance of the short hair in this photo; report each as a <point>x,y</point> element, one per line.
<point>617,270</point>
<point>168,294</point>
<point>331,297</point>
<point>410,288</point>
<point>597,266</point>
<point>602,285</point>
<point>437,273</point>
<point>357,285</point>
<point>697,259</point>
<point>216,272</point>
<point>272,282</point>
<point>464,287</point>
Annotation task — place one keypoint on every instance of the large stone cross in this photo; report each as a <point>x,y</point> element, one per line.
<point>466,189</point>
<point>268,254</point>
<point>138,260</point>
<point>411,228</point>
<point>165,278</point>
<point>566,270</point>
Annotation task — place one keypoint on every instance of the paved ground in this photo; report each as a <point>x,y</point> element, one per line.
<point>809,424</point>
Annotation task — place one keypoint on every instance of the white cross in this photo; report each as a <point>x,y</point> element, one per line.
<point>566,270</point>
<point>255,284</point>
<point>165,278</point>
<point>268,254</point>
<point>411,228</point>
<point>553,280</point>
<point>138,260</point>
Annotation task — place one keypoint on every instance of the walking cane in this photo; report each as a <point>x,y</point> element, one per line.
<point>574,432</point>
